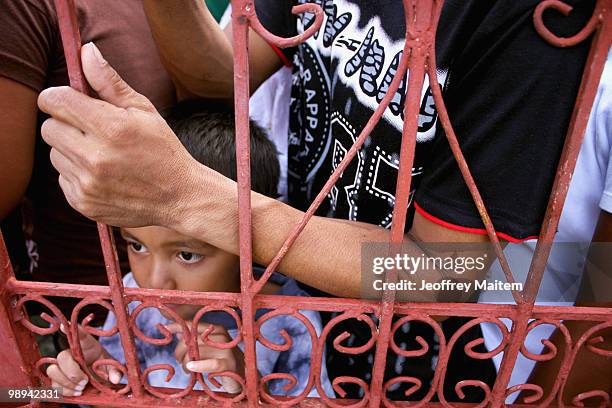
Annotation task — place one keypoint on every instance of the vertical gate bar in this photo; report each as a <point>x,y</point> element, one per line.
<point>567,163</point>
<point>17,345</point>
<point>71,40</point>
<point>240,32</point>
<point>586,95</point>
<point>421,9</point>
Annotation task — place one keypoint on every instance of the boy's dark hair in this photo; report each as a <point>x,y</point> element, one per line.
<point>206,129</point>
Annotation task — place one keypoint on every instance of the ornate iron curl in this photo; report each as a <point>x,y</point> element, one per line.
<point>166,340</point>
<point>249,11</point>
<point>567,364</point>
<point>212,377</point>
<point>468,349</point>
<point>97,368</point>
<point>54,323</point>
<point>548,345</point>
<point>538,393</point>
<point>564,9</point>
<point>316,353</point>
<point>349,380</point>
<point>416,353</point>
<point>416,385</point>
<point>204,335</point>
<point>73,334</point>
<point>347,350</point>
<point>605,397</point>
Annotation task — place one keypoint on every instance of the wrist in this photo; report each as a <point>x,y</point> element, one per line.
<point>205,207</point>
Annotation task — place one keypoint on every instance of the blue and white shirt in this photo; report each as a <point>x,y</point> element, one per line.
<point>295,361</point>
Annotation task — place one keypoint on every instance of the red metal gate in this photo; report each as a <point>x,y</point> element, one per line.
<point>22,365</point>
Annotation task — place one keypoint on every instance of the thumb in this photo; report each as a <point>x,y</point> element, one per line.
<point>108,84</point>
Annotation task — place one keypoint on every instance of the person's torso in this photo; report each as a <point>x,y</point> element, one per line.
<point>341,75</point>
<point>67,242</point>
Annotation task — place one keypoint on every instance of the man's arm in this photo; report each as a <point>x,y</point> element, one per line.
<point>198,54</point>
<point>92,151</point>
<point>17,136</point>
<point>590,371</point>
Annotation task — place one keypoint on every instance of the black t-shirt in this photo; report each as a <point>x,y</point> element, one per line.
<point>509,95</point>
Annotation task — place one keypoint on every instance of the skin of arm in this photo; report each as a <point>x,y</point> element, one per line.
<point>17,138</point>
<point>590,371</point>
<point>107,176</point>
<point>207,69</point>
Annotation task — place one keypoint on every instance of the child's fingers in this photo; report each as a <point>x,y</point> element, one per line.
<point>89,345</point>
<point>208,366</point>
<point>66,392</point>
<point>60,380</point>
<point>217,329</point>
<point>71,369</point>
<point>110,373</point>
<point>180,352</point>
<point>114,375</point>
<point>174,328</point>
<point>213,365</point>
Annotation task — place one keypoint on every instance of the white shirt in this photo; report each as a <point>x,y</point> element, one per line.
<point>590,190</point>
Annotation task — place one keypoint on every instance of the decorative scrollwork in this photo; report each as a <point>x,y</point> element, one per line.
<point>470,352</point>
<point>336,383</point>
<point>564,9</point>
<point>316,351</point>
<point>164,341</point>
<point>73,333</point>
<point>417,353</point>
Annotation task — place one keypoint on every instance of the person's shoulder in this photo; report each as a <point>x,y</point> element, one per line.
<point>605,83</point>
<point>30,40</point>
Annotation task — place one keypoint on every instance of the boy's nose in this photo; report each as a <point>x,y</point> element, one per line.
<point>160,277</point>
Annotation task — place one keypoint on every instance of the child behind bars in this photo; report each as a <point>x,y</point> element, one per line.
<point>161,258</point>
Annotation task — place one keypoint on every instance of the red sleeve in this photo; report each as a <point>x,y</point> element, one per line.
<point>281,55</point>
<point>29,37</point>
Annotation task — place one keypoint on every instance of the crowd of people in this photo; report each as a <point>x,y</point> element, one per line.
<point>167,180</point>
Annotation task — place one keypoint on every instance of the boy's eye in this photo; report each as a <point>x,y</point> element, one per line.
<point>189,257</point>
<point>137,247</point>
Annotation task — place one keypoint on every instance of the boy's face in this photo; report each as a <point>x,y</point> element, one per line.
<point>161,258</point>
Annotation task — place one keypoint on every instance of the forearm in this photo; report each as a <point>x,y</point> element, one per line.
<point>328,252</point>
<point>192,47</point>
<point>198,54</point>
<point>326,255</point>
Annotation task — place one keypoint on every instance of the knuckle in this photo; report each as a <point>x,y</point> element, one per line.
<point>87,183</point>
<point>97,163</point>
<point>117,125</point>
<point>77,199</point>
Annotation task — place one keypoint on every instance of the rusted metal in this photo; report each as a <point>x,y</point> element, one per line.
<point>20,351</point>
<point>25,366</point>
<point>71,40</point>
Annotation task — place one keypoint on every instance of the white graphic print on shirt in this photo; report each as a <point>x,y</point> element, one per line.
<point>329,112</point>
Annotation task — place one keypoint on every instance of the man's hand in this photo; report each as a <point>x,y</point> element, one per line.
<point>118,160</point>
<point>67,373</point>
<point>213,359</point>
